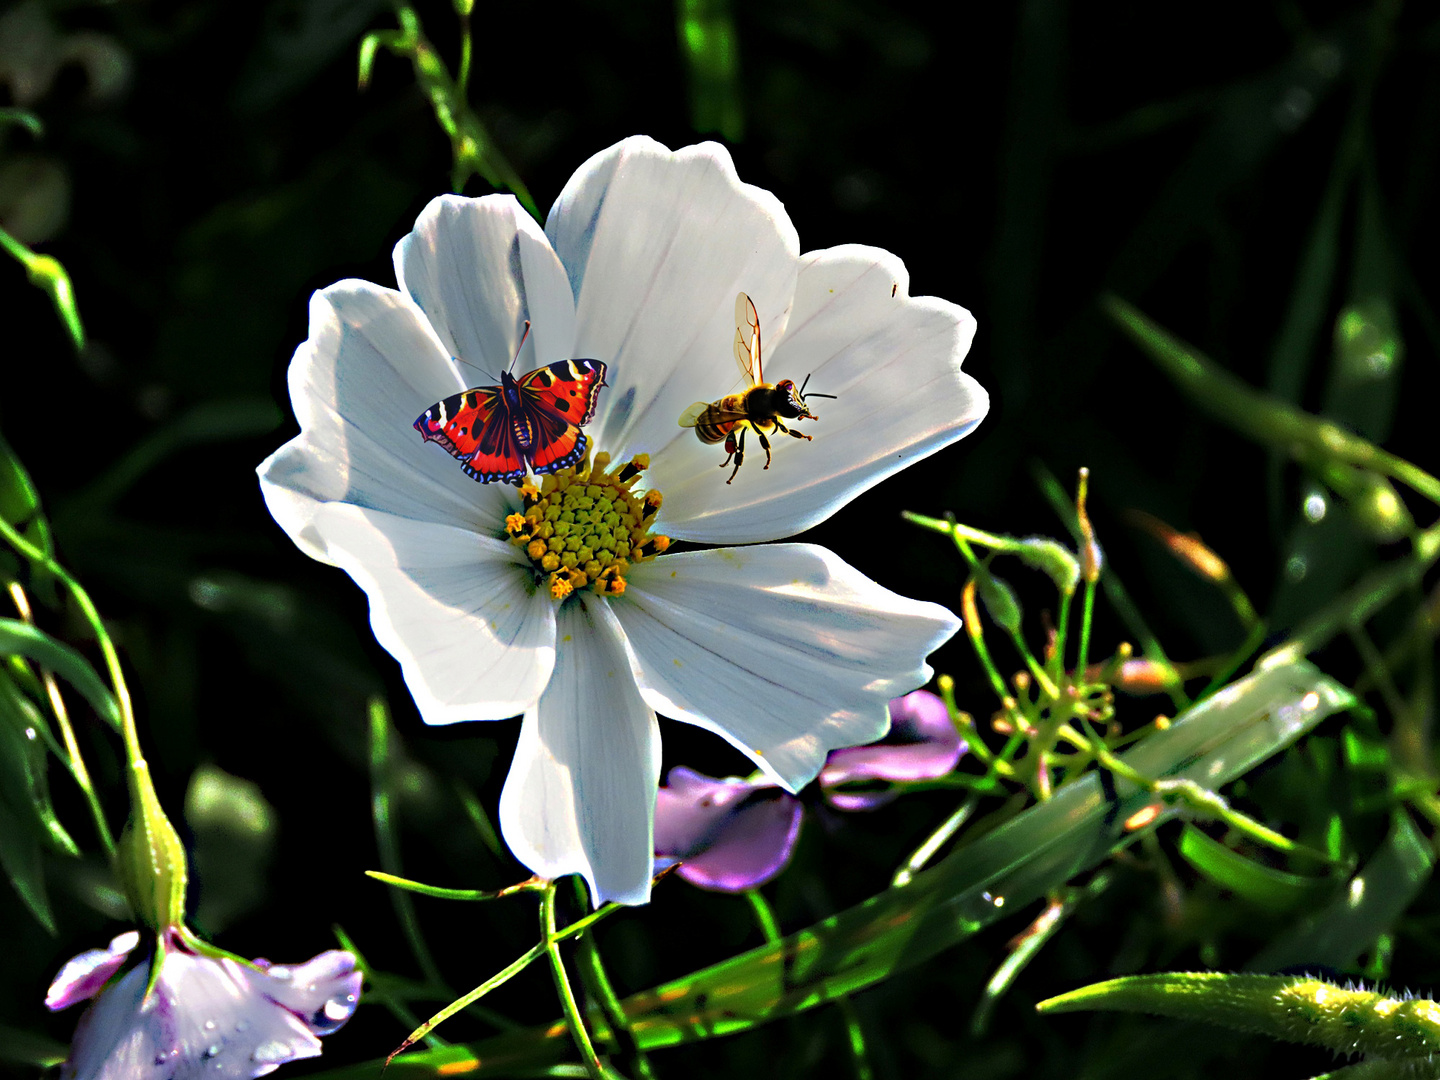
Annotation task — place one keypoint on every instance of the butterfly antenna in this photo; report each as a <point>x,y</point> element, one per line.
<point>523,336</point>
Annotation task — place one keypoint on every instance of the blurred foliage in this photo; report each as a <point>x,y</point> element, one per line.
<point>1201,268</point>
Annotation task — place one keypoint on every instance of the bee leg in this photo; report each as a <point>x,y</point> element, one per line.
<point>730,449</point>
<point>739,454</point>
<point>791,431</point>
<point>765,445</point>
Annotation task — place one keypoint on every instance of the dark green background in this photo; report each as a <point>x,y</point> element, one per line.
<point>1021,158</point>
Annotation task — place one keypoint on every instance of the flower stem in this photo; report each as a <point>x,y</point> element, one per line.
<point>764,916</point>
<point>598,986</point>
<point>863,1068</point>
<point>934,842</point>
<point>505,974</point>
<point>1309,439</point>
<point>568,1005</point>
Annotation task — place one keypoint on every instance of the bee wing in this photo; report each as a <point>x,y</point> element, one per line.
<point>691,416</point>
<point>747,338</point>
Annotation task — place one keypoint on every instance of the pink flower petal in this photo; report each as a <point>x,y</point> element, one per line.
<point>730,835</point>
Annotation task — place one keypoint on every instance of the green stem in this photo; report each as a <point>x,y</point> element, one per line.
<point>1258,415</point>
<point>863,1069</point>
<point>764,916</point>
<point>598,986</point>
<point>505,974</point>
<point>387,843</point>
<point>1368,596</point>
<point>934,842</point>
<point>462,76</point>
<point>568,1005</point>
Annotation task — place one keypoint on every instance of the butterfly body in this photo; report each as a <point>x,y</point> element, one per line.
<point>532,423</point>
<point>763,408</point>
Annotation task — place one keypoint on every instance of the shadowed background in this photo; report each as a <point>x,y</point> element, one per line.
<point>1246,174</point>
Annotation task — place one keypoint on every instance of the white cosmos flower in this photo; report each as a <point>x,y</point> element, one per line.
<point>782,649</point>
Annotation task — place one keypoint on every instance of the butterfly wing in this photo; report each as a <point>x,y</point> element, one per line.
<point>475,427</point>
<point>558,400</point>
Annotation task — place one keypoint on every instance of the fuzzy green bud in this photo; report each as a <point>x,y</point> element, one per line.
<point>1053,558</point>
<point>150,858</point>
<point>999,600</point>
<point>1296,1008</point>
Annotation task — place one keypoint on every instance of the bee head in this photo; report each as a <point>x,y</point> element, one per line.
<point>791,404</point>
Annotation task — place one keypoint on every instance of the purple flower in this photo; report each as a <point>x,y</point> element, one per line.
<point>922,744</point>
<point>729,835</point>
<point>732,835</point>
<point>211,1016</point>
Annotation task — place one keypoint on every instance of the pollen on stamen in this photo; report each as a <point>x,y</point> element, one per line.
<point>585,527</point>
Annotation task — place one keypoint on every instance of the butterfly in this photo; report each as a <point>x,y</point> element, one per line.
<point>533,422</point>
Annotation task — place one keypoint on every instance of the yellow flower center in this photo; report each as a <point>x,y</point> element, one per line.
<point>585,526</point>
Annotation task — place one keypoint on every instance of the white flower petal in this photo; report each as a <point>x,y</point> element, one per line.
<point>580,796</point>
<point>370,366</point>
<point>657,244</point>
<point>474,637</point>
<point>323,992</point>
<point>784,650</point>
<point>114,1040</point>
<point>894,364</point>
<point>218,1023</point>
<point>479,268</point>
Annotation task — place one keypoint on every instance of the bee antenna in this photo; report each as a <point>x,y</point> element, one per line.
<point>807,383</point>
<point>825,395</point>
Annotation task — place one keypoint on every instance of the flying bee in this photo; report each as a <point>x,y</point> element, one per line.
<point>759,408</point>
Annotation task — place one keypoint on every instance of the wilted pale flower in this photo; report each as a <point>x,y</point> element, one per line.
<point>782,649</point>
<point>206,1016</point>
<point>731,835</point>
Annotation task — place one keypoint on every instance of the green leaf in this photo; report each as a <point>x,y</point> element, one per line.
<point>22,639</point>
<point>1266,886</point>
<point>1040,849</point>
<point>20,509</point>
<point>27,1048</point>
<point>21,860</point>
<point>1368,906</point>
<point>24,784</point>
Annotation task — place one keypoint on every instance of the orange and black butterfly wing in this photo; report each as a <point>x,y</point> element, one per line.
<point>476,427</point>
<point>558,400</point>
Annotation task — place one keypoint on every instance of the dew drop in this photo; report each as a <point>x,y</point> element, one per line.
<point>1315,507</point>
<point>209,1025</point>
<point>211,1051</point>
